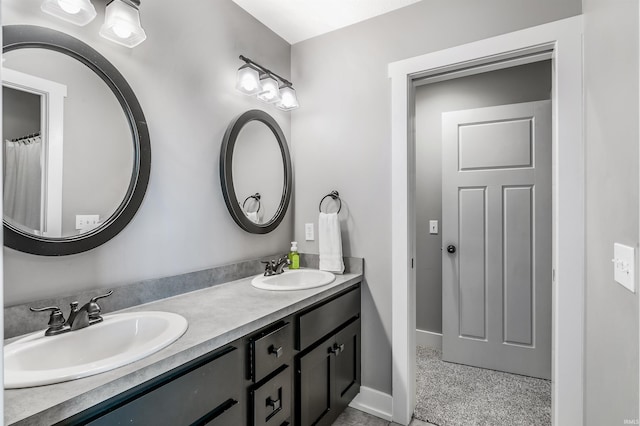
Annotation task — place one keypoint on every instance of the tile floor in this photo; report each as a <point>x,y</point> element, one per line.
<point>353,417</point>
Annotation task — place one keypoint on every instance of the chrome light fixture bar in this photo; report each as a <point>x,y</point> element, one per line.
<point>254,79</point>
<point>122,23</point>
<point>78,12</point>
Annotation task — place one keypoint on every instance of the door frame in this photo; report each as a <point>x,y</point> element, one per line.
<point>52,96</point>
<point>564,40</point>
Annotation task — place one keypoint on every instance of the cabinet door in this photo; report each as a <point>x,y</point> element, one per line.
<point>328,377</point>
<point>347,365</point>
<point>315,385</point>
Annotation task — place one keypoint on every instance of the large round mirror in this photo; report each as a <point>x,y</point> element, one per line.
<point>255,172</point>
<point>75,142</point>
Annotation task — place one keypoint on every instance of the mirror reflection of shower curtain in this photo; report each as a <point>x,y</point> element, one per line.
<point>23,181</point>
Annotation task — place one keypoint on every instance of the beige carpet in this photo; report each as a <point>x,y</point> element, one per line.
<point>459,395</point>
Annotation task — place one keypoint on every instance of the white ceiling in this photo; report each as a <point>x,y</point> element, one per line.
<point>297,20</point>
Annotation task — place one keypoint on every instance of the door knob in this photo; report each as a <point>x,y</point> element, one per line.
<point>451,248</point>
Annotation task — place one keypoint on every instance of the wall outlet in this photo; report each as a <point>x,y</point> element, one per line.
<point>308,232</point>
<point>433,227</point>
<point>87,221</point>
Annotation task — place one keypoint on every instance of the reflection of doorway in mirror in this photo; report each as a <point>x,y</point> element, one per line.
<point>46,99</point>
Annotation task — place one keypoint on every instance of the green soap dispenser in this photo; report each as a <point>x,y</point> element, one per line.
<point>294,257</point>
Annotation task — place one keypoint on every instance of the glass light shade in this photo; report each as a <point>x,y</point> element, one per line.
<point>248,80</point>
<point>270,91</point>
<point>122,24</point>
<point>289,100</point>
<point>78,12</point>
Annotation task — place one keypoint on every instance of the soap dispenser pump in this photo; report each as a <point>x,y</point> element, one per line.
<point>294,257</point>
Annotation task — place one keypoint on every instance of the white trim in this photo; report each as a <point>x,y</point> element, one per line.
<point>429,339</point>
<point>493,66</point>
<point>565,39</point>
<point>52,130</point>
<point>373,402</point>
<point>1,261</point>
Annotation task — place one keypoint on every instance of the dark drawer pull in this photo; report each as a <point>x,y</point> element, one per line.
<point>336,349</point>
<point>275,351</point>
<point>274,404</point>
<point>216,412</point>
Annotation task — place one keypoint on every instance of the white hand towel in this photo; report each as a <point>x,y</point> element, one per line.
<point>330,242</point>
<point>253,216</point>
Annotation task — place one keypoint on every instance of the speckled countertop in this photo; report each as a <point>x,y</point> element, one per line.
<point>216,315</point>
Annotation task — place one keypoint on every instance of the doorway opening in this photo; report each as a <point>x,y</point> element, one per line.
<point>563,39</point>
<point>483,245</point>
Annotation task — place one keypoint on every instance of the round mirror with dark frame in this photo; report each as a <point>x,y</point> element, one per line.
<point>77,150</point>
<point>255,172</point>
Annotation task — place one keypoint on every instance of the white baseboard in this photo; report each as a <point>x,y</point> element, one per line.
<point>429,339</point>
<point>373,402</point>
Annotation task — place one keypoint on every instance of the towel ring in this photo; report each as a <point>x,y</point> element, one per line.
<point>335,196</point>
<point>256,197</point>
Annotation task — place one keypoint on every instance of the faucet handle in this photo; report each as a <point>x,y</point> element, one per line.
<point>94,299</point>
<point>93,309</point>
<point>48,308</point>
<point>56,319</point>
<point>269,267</point>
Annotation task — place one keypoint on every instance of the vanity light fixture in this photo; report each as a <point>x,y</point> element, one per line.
<point>122,23</point>
<point>254,79</point>
<point>78,12</point>
<point>248,80</point>
<point>270,89</point>
<point>289,99</point>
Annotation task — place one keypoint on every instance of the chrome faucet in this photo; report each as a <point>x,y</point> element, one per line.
<point>276,267</point>
<point>85,316</point>
<point>281,263</point>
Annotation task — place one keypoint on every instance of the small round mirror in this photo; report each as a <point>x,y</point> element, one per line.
<point>255,172</point>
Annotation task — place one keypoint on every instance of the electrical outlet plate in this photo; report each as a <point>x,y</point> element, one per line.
<point>87,221</point>
<point>624,266</point>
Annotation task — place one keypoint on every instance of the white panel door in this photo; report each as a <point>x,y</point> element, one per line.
<point>496,265</point>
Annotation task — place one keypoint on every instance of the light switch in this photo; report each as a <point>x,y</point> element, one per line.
<point>624,266</point>
<point>308,232</point>
<point>433,227</point>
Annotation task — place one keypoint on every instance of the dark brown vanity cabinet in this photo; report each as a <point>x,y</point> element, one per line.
<point>328,371</point>
<point>302,370</point>
<point>322,366</point>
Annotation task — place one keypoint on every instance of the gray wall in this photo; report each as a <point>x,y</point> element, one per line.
<point>525,83</point>
<point>23,118</point>
<point>343,131</point>
<point>184,77</point>
<point>611,103</point>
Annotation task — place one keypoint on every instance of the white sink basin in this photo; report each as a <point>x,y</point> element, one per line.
<point>118,340</point>
<point>297,279</point>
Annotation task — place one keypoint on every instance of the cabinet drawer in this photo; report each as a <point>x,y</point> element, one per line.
<point>269,351</point>
<point>271,402</point>
<point>198,396</point>
<point>321,320</point>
